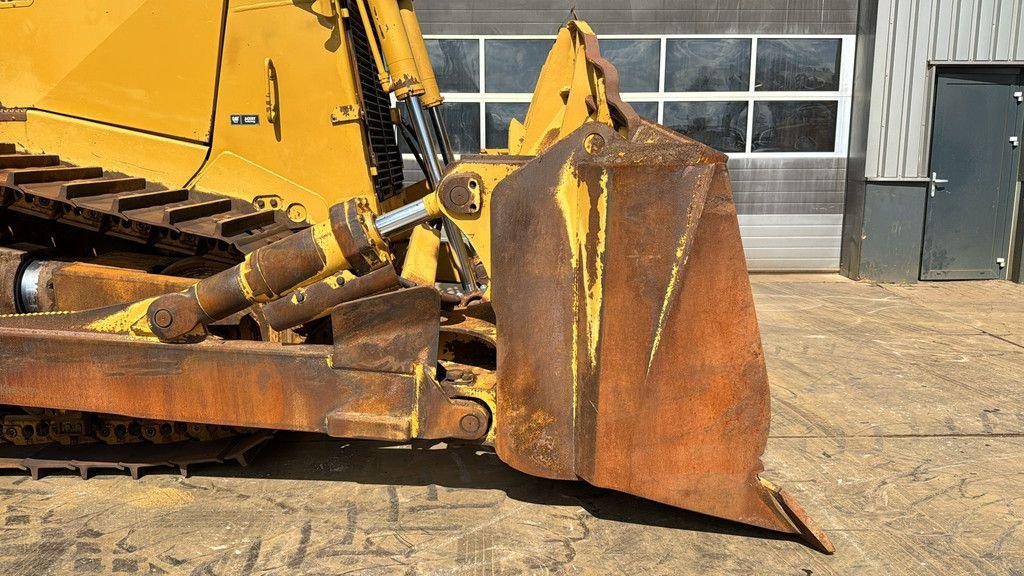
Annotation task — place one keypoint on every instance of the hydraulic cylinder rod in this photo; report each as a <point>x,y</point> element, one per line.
<point>437,119</point>
<point>434,174</point>
<point>413,81</point>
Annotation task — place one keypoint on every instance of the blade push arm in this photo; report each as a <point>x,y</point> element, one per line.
<point>352,239</point>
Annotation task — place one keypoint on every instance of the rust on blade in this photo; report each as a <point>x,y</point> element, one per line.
<point>535,305</point>
<point>628,351</point>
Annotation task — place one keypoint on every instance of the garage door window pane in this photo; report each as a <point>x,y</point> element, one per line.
<point>463,122</point>
<point>514,65</point>
<point>707,65</point>
<point>498,118</point>
<point>456,64</point>
<point>794,126</point>
<point>638,63</point>
<point>721,125</point>
<point>798,64</point>
<point>647,110</point>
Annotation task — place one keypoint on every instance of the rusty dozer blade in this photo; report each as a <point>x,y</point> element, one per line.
<point>628,347</point>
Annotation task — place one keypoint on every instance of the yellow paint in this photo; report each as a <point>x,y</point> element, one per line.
<point>112,62</point>
<point>304,157</point>
<point>336,281</point>
<point>670,292</point>
<point>233,175</point>
<point>433,205</point>
<point>131,320</point>
<point>323,236</point>
<point>127,103</point>
<point>424,69</point>
<point>420,266</point>
<point>477,227</point>
<point>57,313</point>
<point>334,261</point>
<point>595,285</point>
<point>566,199</point>
<point>397,49</point>
<point>560,102</point>
<point>244,270</point>
<point>419,380</point>
<point>161,498</point>
<point>482,389</point>
<point>158,159</point>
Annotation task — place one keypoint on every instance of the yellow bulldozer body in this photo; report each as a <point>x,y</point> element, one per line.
<point>207,233</point>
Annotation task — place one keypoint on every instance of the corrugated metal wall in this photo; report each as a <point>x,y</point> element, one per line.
<point>911,35</point>
<point>641,16</point>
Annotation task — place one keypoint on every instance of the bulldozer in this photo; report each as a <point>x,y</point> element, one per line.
<point>207,234</point>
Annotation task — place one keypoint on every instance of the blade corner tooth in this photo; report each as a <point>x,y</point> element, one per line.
<point>807,528</point>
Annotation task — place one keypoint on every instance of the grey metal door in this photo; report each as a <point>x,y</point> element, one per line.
<point>973,171</point>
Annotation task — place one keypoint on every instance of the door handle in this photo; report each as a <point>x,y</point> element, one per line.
<point>273,108</point>
<point>934,183</point>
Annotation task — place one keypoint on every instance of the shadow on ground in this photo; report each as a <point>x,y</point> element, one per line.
<point>312,457</point>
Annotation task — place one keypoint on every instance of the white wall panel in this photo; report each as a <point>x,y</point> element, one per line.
<point>791,242</point>
<point>912,37</point>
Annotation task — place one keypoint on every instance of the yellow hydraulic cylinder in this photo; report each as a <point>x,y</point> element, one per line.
<point>398,53</point>
<point>431,92</point>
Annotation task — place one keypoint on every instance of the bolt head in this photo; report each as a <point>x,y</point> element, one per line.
<point>458,196</point>
<point>163,318</point>
<point>470,424</point>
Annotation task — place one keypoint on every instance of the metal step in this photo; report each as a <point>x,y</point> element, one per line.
<point>7,148</point>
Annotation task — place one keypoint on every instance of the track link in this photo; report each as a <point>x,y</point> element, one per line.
<point>135,458</point>
<point>182,221</point>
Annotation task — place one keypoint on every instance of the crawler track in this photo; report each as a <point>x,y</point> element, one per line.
<point>84,207</point>
<point>133,458</point>
<point>87,197</point>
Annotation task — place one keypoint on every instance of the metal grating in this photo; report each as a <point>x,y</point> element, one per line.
<point>377,111</point>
